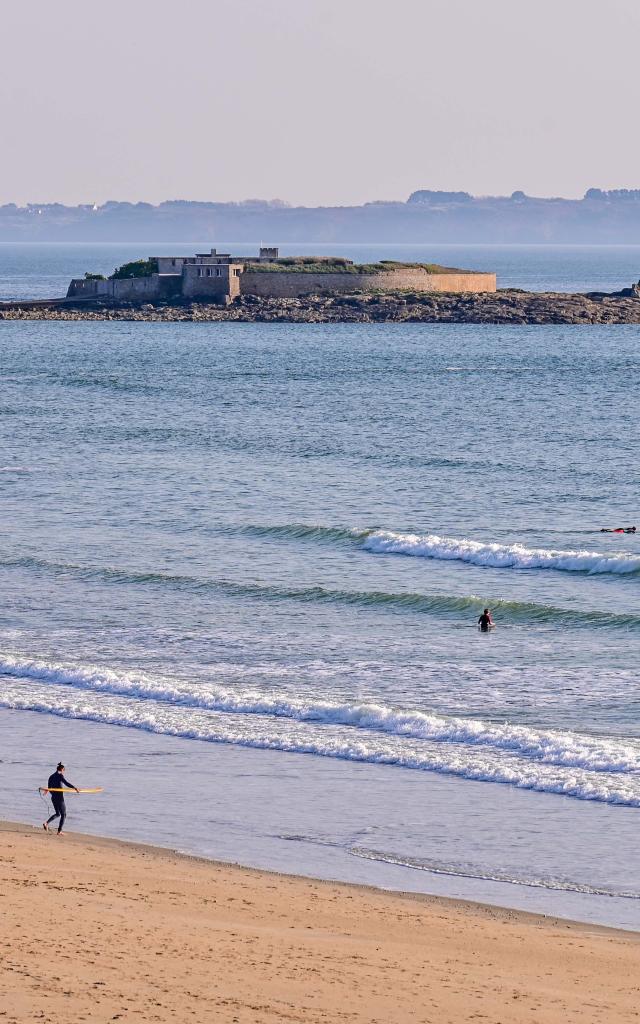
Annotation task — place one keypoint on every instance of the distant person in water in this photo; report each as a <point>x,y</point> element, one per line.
<point>58,781</point>
<point>618,529</point>
<point>485,622</point>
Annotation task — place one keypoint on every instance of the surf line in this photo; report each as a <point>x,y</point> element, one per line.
<point>498,556</point>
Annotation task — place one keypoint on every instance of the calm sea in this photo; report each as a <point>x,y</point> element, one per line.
<point>242,565</point>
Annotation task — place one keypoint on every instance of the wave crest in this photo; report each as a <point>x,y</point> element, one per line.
<point>542,746</point>
<point>500,556</point>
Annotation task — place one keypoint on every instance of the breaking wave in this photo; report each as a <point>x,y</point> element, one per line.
<point>552,761</point>
<point>513,556</point>
<point>431,545</point>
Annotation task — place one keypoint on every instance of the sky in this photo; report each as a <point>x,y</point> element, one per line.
<point>316,102</point>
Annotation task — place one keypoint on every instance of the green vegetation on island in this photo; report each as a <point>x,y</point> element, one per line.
<point>337,265</point>
<point>137,268</point>
<point>286,265</point>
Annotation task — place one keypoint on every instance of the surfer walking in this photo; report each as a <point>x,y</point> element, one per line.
<point>58,781</point>
<point>485,622</point>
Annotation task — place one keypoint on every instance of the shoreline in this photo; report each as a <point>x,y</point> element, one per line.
<point>298,828</point>
<point>145,931</point>
<point>506,306</point>
<point>10,827</point>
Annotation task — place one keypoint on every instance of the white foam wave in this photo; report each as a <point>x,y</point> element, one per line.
<point>488,875</point>
<point>485,765</point>
<point>513,556</point>
<point>546,747</point>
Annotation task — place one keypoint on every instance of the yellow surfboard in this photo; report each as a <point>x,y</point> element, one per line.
<point>97,789</point>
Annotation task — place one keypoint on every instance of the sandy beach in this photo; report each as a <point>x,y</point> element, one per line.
<point>99,930</point>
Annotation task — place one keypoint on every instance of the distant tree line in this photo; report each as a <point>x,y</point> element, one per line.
<point>428,217</point>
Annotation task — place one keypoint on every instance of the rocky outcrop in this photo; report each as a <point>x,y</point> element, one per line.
<point>508,306</point>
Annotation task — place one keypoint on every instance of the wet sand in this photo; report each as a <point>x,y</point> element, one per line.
<point>99,930</point>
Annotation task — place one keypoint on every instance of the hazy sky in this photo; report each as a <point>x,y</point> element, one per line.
<point>316,101</point>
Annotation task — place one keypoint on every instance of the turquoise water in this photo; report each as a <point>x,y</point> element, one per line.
<point>259,552</point>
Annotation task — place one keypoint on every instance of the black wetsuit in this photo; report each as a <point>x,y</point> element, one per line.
<point>58,781</point>
<point>485,622</point>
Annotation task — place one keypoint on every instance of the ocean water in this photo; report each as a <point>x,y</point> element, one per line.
<point>241,571</point>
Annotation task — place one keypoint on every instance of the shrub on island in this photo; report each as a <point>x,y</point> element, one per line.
<point>137,268</point>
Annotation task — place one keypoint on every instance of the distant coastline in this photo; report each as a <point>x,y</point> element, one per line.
<point>438,217</point>
<point>506,306</point>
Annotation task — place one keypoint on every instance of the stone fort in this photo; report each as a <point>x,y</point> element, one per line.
<point>221,278</point>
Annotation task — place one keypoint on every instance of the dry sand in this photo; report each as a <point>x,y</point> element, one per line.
<point>97,930</point>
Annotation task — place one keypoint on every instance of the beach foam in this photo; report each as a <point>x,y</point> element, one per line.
<point>587,767</point>
<point>490,875</point>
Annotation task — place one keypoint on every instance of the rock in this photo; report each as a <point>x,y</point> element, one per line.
<point>509,306</point>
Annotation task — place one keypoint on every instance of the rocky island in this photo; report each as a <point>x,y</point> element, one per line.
<point>508,306</point>
<point>214,287</point>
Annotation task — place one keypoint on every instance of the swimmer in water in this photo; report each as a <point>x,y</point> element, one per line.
<point>485,622</point>
<point>618,529</point>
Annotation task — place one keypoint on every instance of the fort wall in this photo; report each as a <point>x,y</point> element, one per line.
<point>283,284</point>
<point>221,278</point>
<point>217,283</point>
<point>127,289</point>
